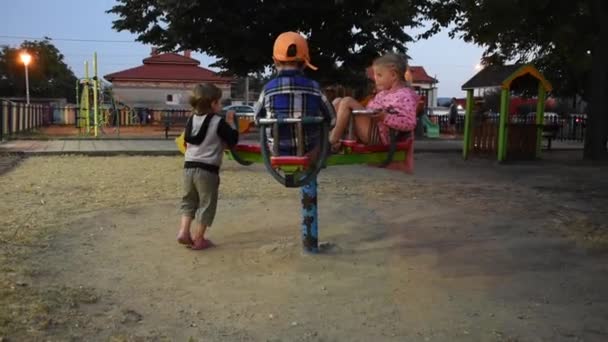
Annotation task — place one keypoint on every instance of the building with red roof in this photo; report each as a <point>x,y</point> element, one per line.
<point>424,84</point>
<point>420,76</point>
<point>164,81</point>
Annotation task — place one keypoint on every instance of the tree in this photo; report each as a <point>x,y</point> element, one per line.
<point>343,39</point>
<point>256,83</point>
<point>566,39</point>
<point>49,76</point>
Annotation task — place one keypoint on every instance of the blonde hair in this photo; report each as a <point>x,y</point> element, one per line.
<point>203,95</point>
<point>395,62</point>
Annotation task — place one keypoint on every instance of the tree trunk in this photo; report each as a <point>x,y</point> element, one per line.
<point>597,121</point>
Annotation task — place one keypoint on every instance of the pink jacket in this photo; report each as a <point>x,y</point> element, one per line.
<point>402,103</point>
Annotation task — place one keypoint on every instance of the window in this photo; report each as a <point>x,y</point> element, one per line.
<point>172,99</point>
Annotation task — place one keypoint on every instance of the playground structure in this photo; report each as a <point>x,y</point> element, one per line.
<point>89,96</point>
<point>93,112</point>
<point>507,139</point>
<point>432,129</point>
<point>301,170</point>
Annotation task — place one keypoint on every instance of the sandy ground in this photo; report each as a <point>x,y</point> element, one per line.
<point>458,252</point>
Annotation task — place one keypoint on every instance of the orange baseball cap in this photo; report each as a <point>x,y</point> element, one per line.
<point>292,47</point>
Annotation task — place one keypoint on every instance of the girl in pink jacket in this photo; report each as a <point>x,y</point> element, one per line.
<point>396,102</point>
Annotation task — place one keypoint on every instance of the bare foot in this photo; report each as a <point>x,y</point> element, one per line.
<point>184,239</point>
<point>201,244</point>
<point>335,147</point>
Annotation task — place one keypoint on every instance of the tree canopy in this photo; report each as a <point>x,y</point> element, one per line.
<point>557,36</point>
<point>49,75</point>
<point>343,38</point>
<point>565,39</point>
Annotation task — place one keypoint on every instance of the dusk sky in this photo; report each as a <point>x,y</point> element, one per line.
<point>451,61</point>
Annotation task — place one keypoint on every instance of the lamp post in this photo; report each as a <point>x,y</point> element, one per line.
<point>26,58</point>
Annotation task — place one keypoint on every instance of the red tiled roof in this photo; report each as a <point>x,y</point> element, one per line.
<point>168,67</point>
<point>419,75</point>
<point>170,58</point>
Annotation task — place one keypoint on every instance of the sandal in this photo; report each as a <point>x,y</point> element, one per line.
<point>201,244</point>
<point>185,240</point>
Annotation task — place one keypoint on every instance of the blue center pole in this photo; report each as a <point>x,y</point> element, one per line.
<point>310,228</point>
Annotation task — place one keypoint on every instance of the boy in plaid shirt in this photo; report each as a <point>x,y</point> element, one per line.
<point>293,95</point>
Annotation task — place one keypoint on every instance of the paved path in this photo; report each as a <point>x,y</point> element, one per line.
<point>90,147</point>
<point>167,147</point>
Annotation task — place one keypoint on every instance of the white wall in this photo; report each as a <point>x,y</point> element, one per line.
<point>433,93</point>
<point>156,97</point>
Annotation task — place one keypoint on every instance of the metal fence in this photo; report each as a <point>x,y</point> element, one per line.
<point>570,127</point>
<point>72,115</point>
<point>20,117</point>
<point>17,118</point>
<point>444,123</point>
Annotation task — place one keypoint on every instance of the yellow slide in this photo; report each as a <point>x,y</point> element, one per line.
<point>181,143</point>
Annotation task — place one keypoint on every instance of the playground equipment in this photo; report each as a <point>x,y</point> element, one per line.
<point>508,140</point>
<point>116,113</point>
<point>301,171</point>
<point>400,149</point>
<point>87,99</point>
<point>431,128</point>
<point>93,114</point>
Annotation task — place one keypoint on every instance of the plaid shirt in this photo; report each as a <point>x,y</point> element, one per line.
<point>292,95</point>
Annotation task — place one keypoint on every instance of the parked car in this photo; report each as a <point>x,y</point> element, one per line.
<point>239,109</point>
<point>444,101</point>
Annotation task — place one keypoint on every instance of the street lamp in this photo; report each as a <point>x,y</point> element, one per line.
<point>26,58</point>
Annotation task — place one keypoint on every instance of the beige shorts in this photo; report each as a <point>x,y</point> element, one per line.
<point>200,195</point>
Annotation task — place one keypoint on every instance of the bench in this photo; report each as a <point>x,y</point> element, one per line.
<point>550,133</point>
<point>174,120</point>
